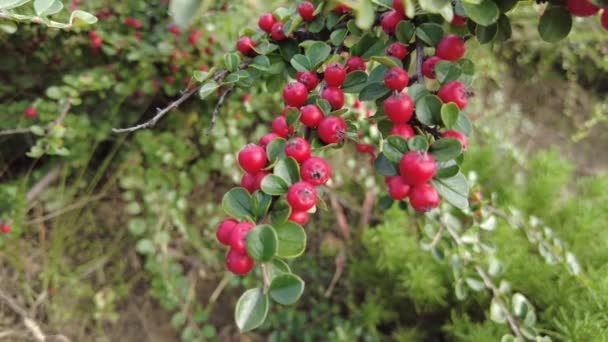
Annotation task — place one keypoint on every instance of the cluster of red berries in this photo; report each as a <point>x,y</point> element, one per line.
<point>5,228</point>
<point>585,8</point>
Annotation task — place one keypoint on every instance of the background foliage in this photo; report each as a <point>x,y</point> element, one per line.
<point>122,242</point>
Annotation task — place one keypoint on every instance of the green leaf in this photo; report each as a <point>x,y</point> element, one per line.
<point>261,63</point>
<point>447,169</point>
<point>377,75</point>
<point>474,284</point>
<point>394,148</point>
<point>292,239</point>
<point>41,6</point>
<point>232,61</point>
<point>251,309</point>
<point>237,203</point>
<point>56,6</point>
<point>317,25</point>
<point>354,82</point>
<point>485,13</point>
<point>364,44</point>
<point>486,34</point>
<point>447,71</point>
<point>504,29</point>
<point>506,5</point>
<point>301,63</point>
<point>405,31</point>
<point>280,212</point>
<point>417,91</point>
<point>377,49</point>
<point>286,289</point>
<point>201,76</point>
<point>183,12</point>
<point>455,190</point>
<point>364,14</point>
<point>324,106</point>
<point>292,116</point>
<point>385,167</point>
<point>260,202</point>
<point>145,246</point>
<point>521,306</point>
<point>8,27</point>
<point>497,314</point>
<point>288,49</point>
<point>276,149</point>
<point>337,37</point>
<point>274,185</point>
<point>79,18</point>
<point>8,4</point>
<point>265,48</point>
<point>446,149</point>
<point>418,143</point>
<point>276,267</point>
<point>430,33</point>
<point>262,243</point>
<point>387,60</point>
<point>428,110</point>
<point>317,53</point>
<point>449,114</point>
<point>463,125</point>
<point>555,24</point>
<point>288,170</point>
<point>373,91</point>
<point>207,88</point>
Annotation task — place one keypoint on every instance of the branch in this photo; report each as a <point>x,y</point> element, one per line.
<point>57,121</point>
<point>419,61</point>
<point>219,104</point>
<point>43,183</point>
<point>15,131</point>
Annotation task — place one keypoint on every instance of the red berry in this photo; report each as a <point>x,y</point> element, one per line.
<point>295,94</point>
<point>398,6</point>
<point>6,228</point>
<point>390,20</point>
<point>358,104</point>
<point>604,19</point>
<point>451,48</point>
<point>459,20</point>
<point>454,91</point>
<point>428,67</point>
<point>246,98</point>
<point>170,79</point>
<point>397,188</point>
<point>266,139</point>
<point>335,97</point>
<point>315,170</point>
<point>355,63</point>
<point>404,130</point>
<point>248,182</point>
<point>280,128</point>
<point>308,78</point>
<point>298,148</point>
<point>238,263</point>
<point>259,177</point>
<point>332,130</point>
<point>93,35</point>
<point>307,10</point>
<point>194,37</point>
<point>238,238</point>
<point>224,231</point>
<point>397,50</point>
<point>175,30</point>
<point>252,158</point>
<point>417,167</point>
<point>30,112</point>
<point>396,78</point>
<point>277,32</point>
<point>342,9</point>
<point>423,198</point>
<point>129,21</point>
<point>399,108</point>
<point>457,135</point>
<point>581,8</point>
<point>137,24</point>
<point>302,196</point>
<point>96,42</point>
<point>335,73</point>
<point>311,116</point>
<point>266,21</point>
<point>245,46</point>
<point>299,217</point>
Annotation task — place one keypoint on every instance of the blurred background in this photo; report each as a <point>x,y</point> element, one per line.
<point>113,236</point>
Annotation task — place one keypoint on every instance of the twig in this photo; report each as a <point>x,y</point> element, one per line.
<point>66,209</point>
<point>367,208</point>
<point>57,121</point>
<point>63,113</point>
<point>15,131</point>
<point>419,61</point>
<point>219,104</point>
<point>340,216</point>
<point>220,287</point>
<point>43,183</point>
<point>437,237</point>
<point>340,264</point>
<point>265,277</point>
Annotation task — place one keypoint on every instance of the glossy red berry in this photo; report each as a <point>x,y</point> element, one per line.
<point>280,128</point>
<point>604,19</point>
<point>295,94</point>
<point>175,30</point>
<point>224,231</point>
<point>398,6</point>
<point>399,108</point>
<point>277,32</point>
<point>252,158</point>
<point>259,177</point>
<point>403,130</point>
<point>396,78</point>
<point>5,228</point>
<point>342,9</point>
<point>459,20</point>
<point>298,148</point>
<point>457,135</point>
<point>390,20</point>
<point>306,10</point>
<point>396,187</point>
<point>193,37</point>
<point>137,24</point>
<point>335,73</point>
<point>315,170</point>
<point>423,198</point>
<point>308,78</point>
<point>96,42</point>
<point>311,116</point>
<point>428,67</point>
<point>397,50</point>
<point>581,8</point>
<point>332,130</point>
<point>267,138</point>
<point>335,97</point>
<point>238,263</point>
<point>30,112</point>
<point>238,237</point>
<point>355,63</point>
<point>248,182</point>
<point>454,91</point>
<point>302,196</point>
<point>266,21</point>
<point>245,46</point>
<point>451,48</point>
<point>299,217</point>
<point>417,167</point>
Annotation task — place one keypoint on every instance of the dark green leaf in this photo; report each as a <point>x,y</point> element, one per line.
<point>446,149</point>
<point>355,81</point>
<point>447,71</point>
<point>387,60</point>
<point>394,148</point>
<point>417,91</point>
<point>260,202</point>
<point>280,212</point>
<point>317,53</point>
<point>292,239</point>
<point>207,88</point>
<point>418,143</point>
<point>454,190</point>
<point>555,24</point>
<point>251,309</point>
<point>301,63</point>
<point>237,203</point>
<point>288,49</point>
<point>324,106</point>
<point>377,49</point>
<point>385,167</point>
<point>337,37</point>
<point>276,149</point>
<point>286,288</point>
<point>377,75</point>
<point>274,185</point>
<point>504,29</point>
<point>276,267</point>
<point>373,91</point>
<point>292,116</point>
<point>449,114</point>
<point>232,61</point>
<point>486,34</point>
<point>385,203</point>
<point>447,169</point>
<point>463,125</point>
<point>405,31</point>
<point>317,25</point>
<point>262,243</point>
<point>485,13</point>
<point>363,45</point>
<point>430,33</point>
<point>288,170</point>
<point>428,110</point>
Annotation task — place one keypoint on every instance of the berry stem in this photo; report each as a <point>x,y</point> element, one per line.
<point>265,277</point>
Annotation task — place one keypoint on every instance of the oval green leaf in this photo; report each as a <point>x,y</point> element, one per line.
<point>251,309</point>
<point>237,203</point>
<point>262,243</point>
<point>292,239</point>
<point>286,288</point>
